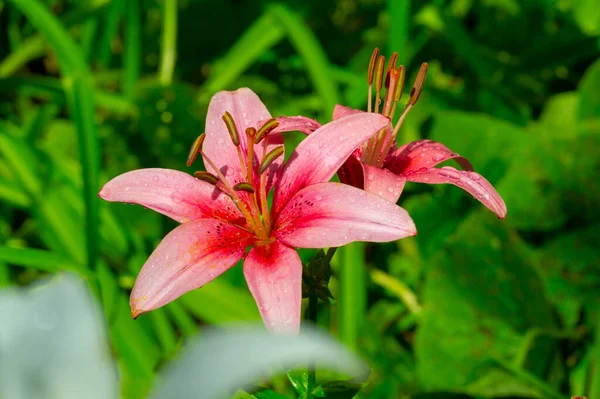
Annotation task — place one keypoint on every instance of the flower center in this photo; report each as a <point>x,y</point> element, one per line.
<point>392,78</point>
<point>249,195</point>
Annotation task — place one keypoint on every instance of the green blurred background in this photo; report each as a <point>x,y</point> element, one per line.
<point>472,307</point>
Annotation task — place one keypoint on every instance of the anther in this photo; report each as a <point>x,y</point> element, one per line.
<point>391,91</point>
<point>391,65</point>
<point>269,158</point>
<point>265,129</point>
<point>379,73</point>
<point>207,177</point>
<point>233,133</point>
<point>372,66</point>
<point>244,186</point>
<point>400,85</point>
<point>195,149</point>
<point>418,86</point>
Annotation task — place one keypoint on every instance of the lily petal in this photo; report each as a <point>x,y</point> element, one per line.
<point>471,182</point>
<point>274,277</point>
<point>331,145</point>
<point>335,214</point>
<point>341,110</point>
<point>190,256</point>
<point>352,172</point>
<point>383,183</point>
<point>422,154</point>
<point>247,111</point>
<point>173,193</point>
<point>286,124</point>
<point>299,123</point>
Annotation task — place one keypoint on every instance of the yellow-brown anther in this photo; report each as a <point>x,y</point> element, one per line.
<point>265,129</point>
<point>418,86</point>
<point>391,65</point>
<point>401,76</point>
<point>372,66</point>
<point>244,186</point>
<point>379,73</point>
<point>207,177</point>
<point>391,91</point>
<point>269,158</point>
<point>195,149</point>
<point>233,133</point>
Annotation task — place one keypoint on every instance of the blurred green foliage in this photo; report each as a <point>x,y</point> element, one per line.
<point>471,307</point>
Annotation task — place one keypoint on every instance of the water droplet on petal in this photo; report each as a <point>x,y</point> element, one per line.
<point>127,188</point>
<point>154,178</point>
<point>390,190</point>
<point>438,157</point>
<point>370,177</point>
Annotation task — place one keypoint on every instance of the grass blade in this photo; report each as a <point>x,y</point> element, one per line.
<point>80,100</point>
<point>168,51</point>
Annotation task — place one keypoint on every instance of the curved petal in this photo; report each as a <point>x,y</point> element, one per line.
<point>247,111</point>
<point>318,157</point>
<point>383,183</point>
<point>421,154</point>
<point>286,124</point>
<point>173,193</point>
<point>299,123</point>
<point>471,182</point>
<point>274,276</point>
<point>335,214</point>
<point>190,256</point>
<point>341,110</point>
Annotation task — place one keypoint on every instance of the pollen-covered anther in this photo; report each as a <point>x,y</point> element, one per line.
<point>244,186</point>
<point>379,73</point>
<point>231,128</point>
<point>418,86</point>
<point>265,130</point>
<point>207,177</point>
<point>401,76</point>
<point>196,146</point>
<point>371,71</point>
<point>270,158</point>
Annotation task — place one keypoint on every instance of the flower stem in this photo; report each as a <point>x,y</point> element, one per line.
<point>312,371</point>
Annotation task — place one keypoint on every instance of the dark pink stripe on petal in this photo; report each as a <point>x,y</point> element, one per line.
<point>335,214</point>
<point>422,154</point>
<point>173,193</point>
<point>274,277</point>
<point>190,256</point>
<point>472,182</point>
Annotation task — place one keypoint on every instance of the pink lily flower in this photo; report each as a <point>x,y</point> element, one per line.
<point>225,210</point>
<point>381,168</point>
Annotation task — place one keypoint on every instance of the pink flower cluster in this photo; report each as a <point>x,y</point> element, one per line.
<point>251,205</point>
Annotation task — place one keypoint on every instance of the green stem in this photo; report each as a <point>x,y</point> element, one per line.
<point>312,371</point>
<point>169,43</point>
<point>353,293</point>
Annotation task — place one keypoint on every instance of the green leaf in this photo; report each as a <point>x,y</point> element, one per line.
<point>268,394</point>
<point>589,104</point>
<point>133,50</point>
<point>80,100</point>
<point>477,307</point>
<point>353,292</point>
<point>39,259</point>
<point>299,380</point>
<point>219,302</point>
